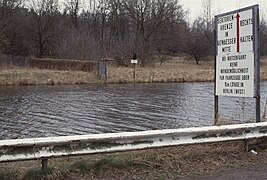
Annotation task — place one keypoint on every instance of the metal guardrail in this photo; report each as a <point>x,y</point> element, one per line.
<point>44,148</point>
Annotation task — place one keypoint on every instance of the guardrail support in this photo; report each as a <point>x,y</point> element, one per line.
<point>247,145</point>
<point>44,164</point>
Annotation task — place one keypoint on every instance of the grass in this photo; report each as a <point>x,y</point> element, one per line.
<point>84,166</point>
<point>37,174</point>
<point>175,70</point>
<point>162,163</point>
<point>6,174</point>
<point>33,76</point>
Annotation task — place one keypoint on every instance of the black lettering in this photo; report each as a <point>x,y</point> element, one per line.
<point>226,49</point>
<point>234,70</point>
<point>228,91</point>
<point>246,39</point>
<point>226,26</point>
<point>246,22</point>
<point>235,84</point>
<point>245,77</point>
<point>226,42</point>
<point>237,57</point>
<point>225,19</point>
<point>233,64</point>
<point>233,78</point>
<point>240,91</point>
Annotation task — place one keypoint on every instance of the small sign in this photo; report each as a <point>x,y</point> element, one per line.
<point>134,61</point>
<point>236,41</point>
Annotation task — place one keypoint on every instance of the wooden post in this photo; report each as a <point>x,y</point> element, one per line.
<point>134,73</point>
<point>44,164</point>
<point>246,145</point>
<point>134,61</point>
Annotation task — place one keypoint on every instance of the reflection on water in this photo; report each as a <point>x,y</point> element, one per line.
<point>37,111</point>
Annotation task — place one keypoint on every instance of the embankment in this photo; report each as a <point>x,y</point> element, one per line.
<point>33,76</point>
<point>181,162</point>
<point>50,72</point>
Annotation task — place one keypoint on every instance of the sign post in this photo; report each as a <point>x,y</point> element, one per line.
<point>134,62</point>
<point>237,59</point>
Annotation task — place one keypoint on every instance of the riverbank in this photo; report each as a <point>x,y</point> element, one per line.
<point>173,71</point>
<point>185,162</point>
<point>34,76</point>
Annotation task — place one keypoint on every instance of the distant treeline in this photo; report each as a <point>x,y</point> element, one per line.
<point>114,29</point>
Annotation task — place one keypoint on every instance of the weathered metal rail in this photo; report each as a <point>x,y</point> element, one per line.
<point>44,148</point>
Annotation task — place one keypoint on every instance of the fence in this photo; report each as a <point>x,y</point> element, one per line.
<point>44,148</point>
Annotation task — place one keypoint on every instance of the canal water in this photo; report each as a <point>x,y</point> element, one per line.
<point>41,111</point>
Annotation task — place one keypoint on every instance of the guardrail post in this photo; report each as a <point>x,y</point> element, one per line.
<point>246,145</point>
<point>44,164</point>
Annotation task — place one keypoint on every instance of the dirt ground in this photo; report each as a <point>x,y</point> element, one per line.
<point>255,172</point>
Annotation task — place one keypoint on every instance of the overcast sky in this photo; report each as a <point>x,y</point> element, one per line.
<point>220,6</point>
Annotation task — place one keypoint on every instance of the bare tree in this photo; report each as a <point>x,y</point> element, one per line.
<point>263,33</point>
<point>208,24</point>
<point>197,44</point>
<point>107,28</point>
<point>120,39</point>
<point>73,7</point>
<point>151,19</point>
<point>7,10</point>
<point>43,15</point>
<point>79,44</point>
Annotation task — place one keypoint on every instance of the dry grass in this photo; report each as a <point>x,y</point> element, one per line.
<point>174,70</point>
<point>33,76</point>
<point>162,163</point>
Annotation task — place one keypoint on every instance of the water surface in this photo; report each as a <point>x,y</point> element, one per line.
<point>37,111</point>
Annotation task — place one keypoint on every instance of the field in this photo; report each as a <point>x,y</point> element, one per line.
<point>175,70</point>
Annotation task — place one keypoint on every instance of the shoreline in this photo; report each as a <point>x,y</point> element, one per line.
<point>179,71</point>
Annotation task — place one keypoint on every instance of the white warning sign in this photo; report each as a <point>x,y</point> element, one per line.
<point>235,53</point>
